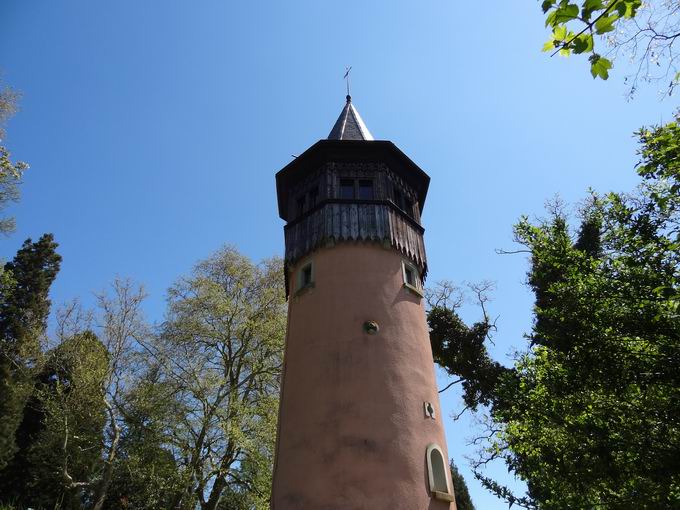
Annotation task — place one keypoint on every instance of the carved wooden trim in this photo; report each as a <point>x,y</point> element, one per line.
<point>338,221</point>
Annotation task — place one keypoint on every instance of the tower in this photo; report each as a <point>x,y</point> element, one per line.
<point>359,421</point>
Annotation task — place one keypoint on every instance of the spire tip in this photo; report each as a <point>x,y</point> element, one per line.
<point>346,77</point>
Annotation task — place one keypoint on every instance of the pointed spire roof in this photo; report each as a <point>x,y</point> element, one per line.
<point>349,125</point>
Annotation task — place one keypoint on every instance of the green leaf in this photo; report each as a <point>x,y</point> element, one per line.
<point>589,6</point>
<point>566,13</point>
<point>550,19</point>
<point>631,8</point>
<point>628,8</point>
<point>546,5</point>
<point>606,24</point>
<point>560,33</point>
<point>600,66</point>
<point>621,8</point>
<point>549,45</point>
<point>583,44</point>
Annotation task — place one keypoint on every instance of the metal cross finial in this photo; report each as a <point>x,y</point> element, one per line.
<point>346,77</point>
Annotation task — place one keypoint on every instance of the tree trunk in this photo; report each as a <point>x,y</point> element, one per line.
<point>221,480</point>
<point>215,494</point>
<point>193,466</point>
<point>103,488</point>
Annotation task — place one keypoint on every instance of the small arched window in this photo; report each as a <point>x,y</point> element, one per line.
<point>436,474</point>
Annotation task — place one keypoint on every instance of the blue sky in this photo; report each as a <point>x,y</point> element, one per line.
<point>154,129</point>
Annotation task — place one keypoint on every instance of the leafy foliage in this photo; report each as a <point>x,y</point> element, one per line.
<point>589,416</point>
<point>60,435</point>
<point>146,473</point>
<point>461,351</point>
<point>644,32</point>
<point>220,351</point>
<point>131,418</point>
<point>10,172</point>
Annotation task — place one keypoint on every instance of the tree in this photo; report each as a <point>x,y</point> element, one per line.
<point>122,329</point>
<point>70,435</point>
<point>220,350</point>
<point>460,349</point>
<point>589,416</point>
<point>24,308</point>
<point>641,32</point>
<point>23,314</point>
<point>146,473</point>
<point>60,436</point>
<point>463,500</point>
<point>10,172</point>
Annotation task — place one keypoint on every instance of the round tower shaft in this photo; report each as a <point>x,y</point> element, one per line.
<point>359,422</point>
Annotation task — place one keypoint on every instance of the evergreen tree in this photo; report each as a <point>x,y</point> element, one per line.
<point>463,500</point>
<point>24,307</point>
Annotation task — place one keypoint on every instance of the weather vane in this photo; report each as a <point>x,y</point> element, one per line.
<point>346,77</point>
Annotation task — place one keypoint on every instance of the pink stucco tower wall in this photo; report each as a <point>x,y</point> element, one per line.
<point>359,422</point>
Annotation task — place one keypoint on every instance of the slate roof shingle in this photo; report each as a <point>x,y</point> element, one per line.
<point>350,125</point>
